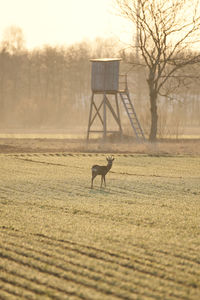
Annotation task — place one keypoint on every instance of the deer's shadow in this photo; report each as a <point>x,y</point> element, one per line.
<point>100,190</point>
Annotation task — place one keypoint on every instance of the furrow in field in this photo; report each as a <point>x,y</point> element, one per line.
<point>139,269</point>
<point>20,287</point>
<point>138,256</point>
<point>122,276</point>
<point>189,259</point>
<point>63,272</point>
<point>163,264</point>
<point>41,162</point>
<point>125,262</point>
<point>66,189</point>
<point>21,190</point>
<point>188,248</point>
<point>38,286</point>
<point>168,259</point>
<point>9,292</point>
<point>113,278</point>
<point>181,256</point>
<point>4,191</point>
<point>33,193</point>
<point>44,187</point>
<point>133,191</point>
<point>122,255</point>
<point>8,189</point>
<point>83,288</point>
<point>50,163</point>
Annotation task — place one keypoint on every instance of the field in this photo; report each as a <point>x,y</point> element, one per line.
<point>138,238</point>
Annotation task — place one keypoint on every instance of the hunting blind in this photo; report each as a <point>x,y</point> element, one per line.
<point>105,82</point>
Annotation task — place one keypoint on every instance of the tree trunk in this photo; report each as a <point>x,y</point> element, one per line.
<point>154,116</point>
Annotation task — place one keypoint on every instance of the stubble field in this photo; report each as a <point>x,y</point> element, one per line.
<point>138,238</point>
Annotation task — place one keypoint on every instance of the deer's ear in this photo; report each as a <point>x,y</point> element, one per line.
<point>113,159</point>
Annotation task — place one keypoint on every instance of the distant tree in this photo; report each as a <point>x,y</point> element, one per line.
<point>166,30</point>
<point>4,58</point>
<point>13,40</point>
<point>12,61</point>
<point>102,48</point>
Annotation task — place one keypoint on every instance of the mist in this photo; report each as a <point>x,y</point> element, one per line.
<point>49,89</point>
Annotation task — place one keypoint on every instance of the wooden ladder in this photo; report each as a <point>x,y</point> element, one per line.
<point>132,115</point>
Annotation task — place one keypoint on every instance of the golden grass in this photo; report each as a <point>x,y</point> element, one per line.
<point>136,239</point>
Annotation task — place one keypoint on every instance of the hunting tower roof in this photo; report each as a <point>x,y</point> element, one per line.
<point>105,59</point>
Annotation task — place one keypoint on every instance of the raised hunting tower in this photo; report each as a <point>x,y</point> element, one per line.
<point>105,82</point>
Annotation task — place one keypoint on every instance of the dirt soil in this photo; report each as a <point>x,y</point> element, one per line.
<point>40,145</point>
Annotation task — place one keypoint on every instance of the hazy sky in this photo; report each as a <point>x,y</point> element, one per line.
<point>60,22</point>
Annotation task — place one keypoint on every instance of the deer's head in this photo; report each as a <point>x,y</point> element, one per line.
<point>110,159</point>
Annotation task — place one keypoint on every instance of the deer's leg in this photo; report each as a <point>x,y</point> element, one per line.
<point>101,180</point>
<point>93,177</point>
<point>104,178</point>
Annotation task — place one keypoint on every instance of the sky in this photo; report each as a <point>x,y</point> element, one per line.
<point>62,22</point>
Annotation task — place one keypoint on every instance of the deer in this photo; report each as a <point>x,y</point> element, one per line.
<point>102,170</point>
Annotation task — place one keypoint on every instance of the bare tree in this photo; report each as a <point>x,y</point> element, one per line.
<point>13,40</point>
<point>166,30</point>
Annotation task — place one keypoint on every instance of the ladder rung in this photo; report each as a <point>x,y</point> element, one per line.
<point>135,122</point>
<point>137,128</point>
<point>135,125</point>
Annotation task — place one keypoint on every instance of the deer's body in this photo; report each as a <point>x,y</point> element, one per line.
<point>101,170</point>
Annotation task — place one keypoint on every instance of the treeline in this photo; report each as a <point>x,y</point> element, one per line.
<point>45,86</point>
<point>50,88</point>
